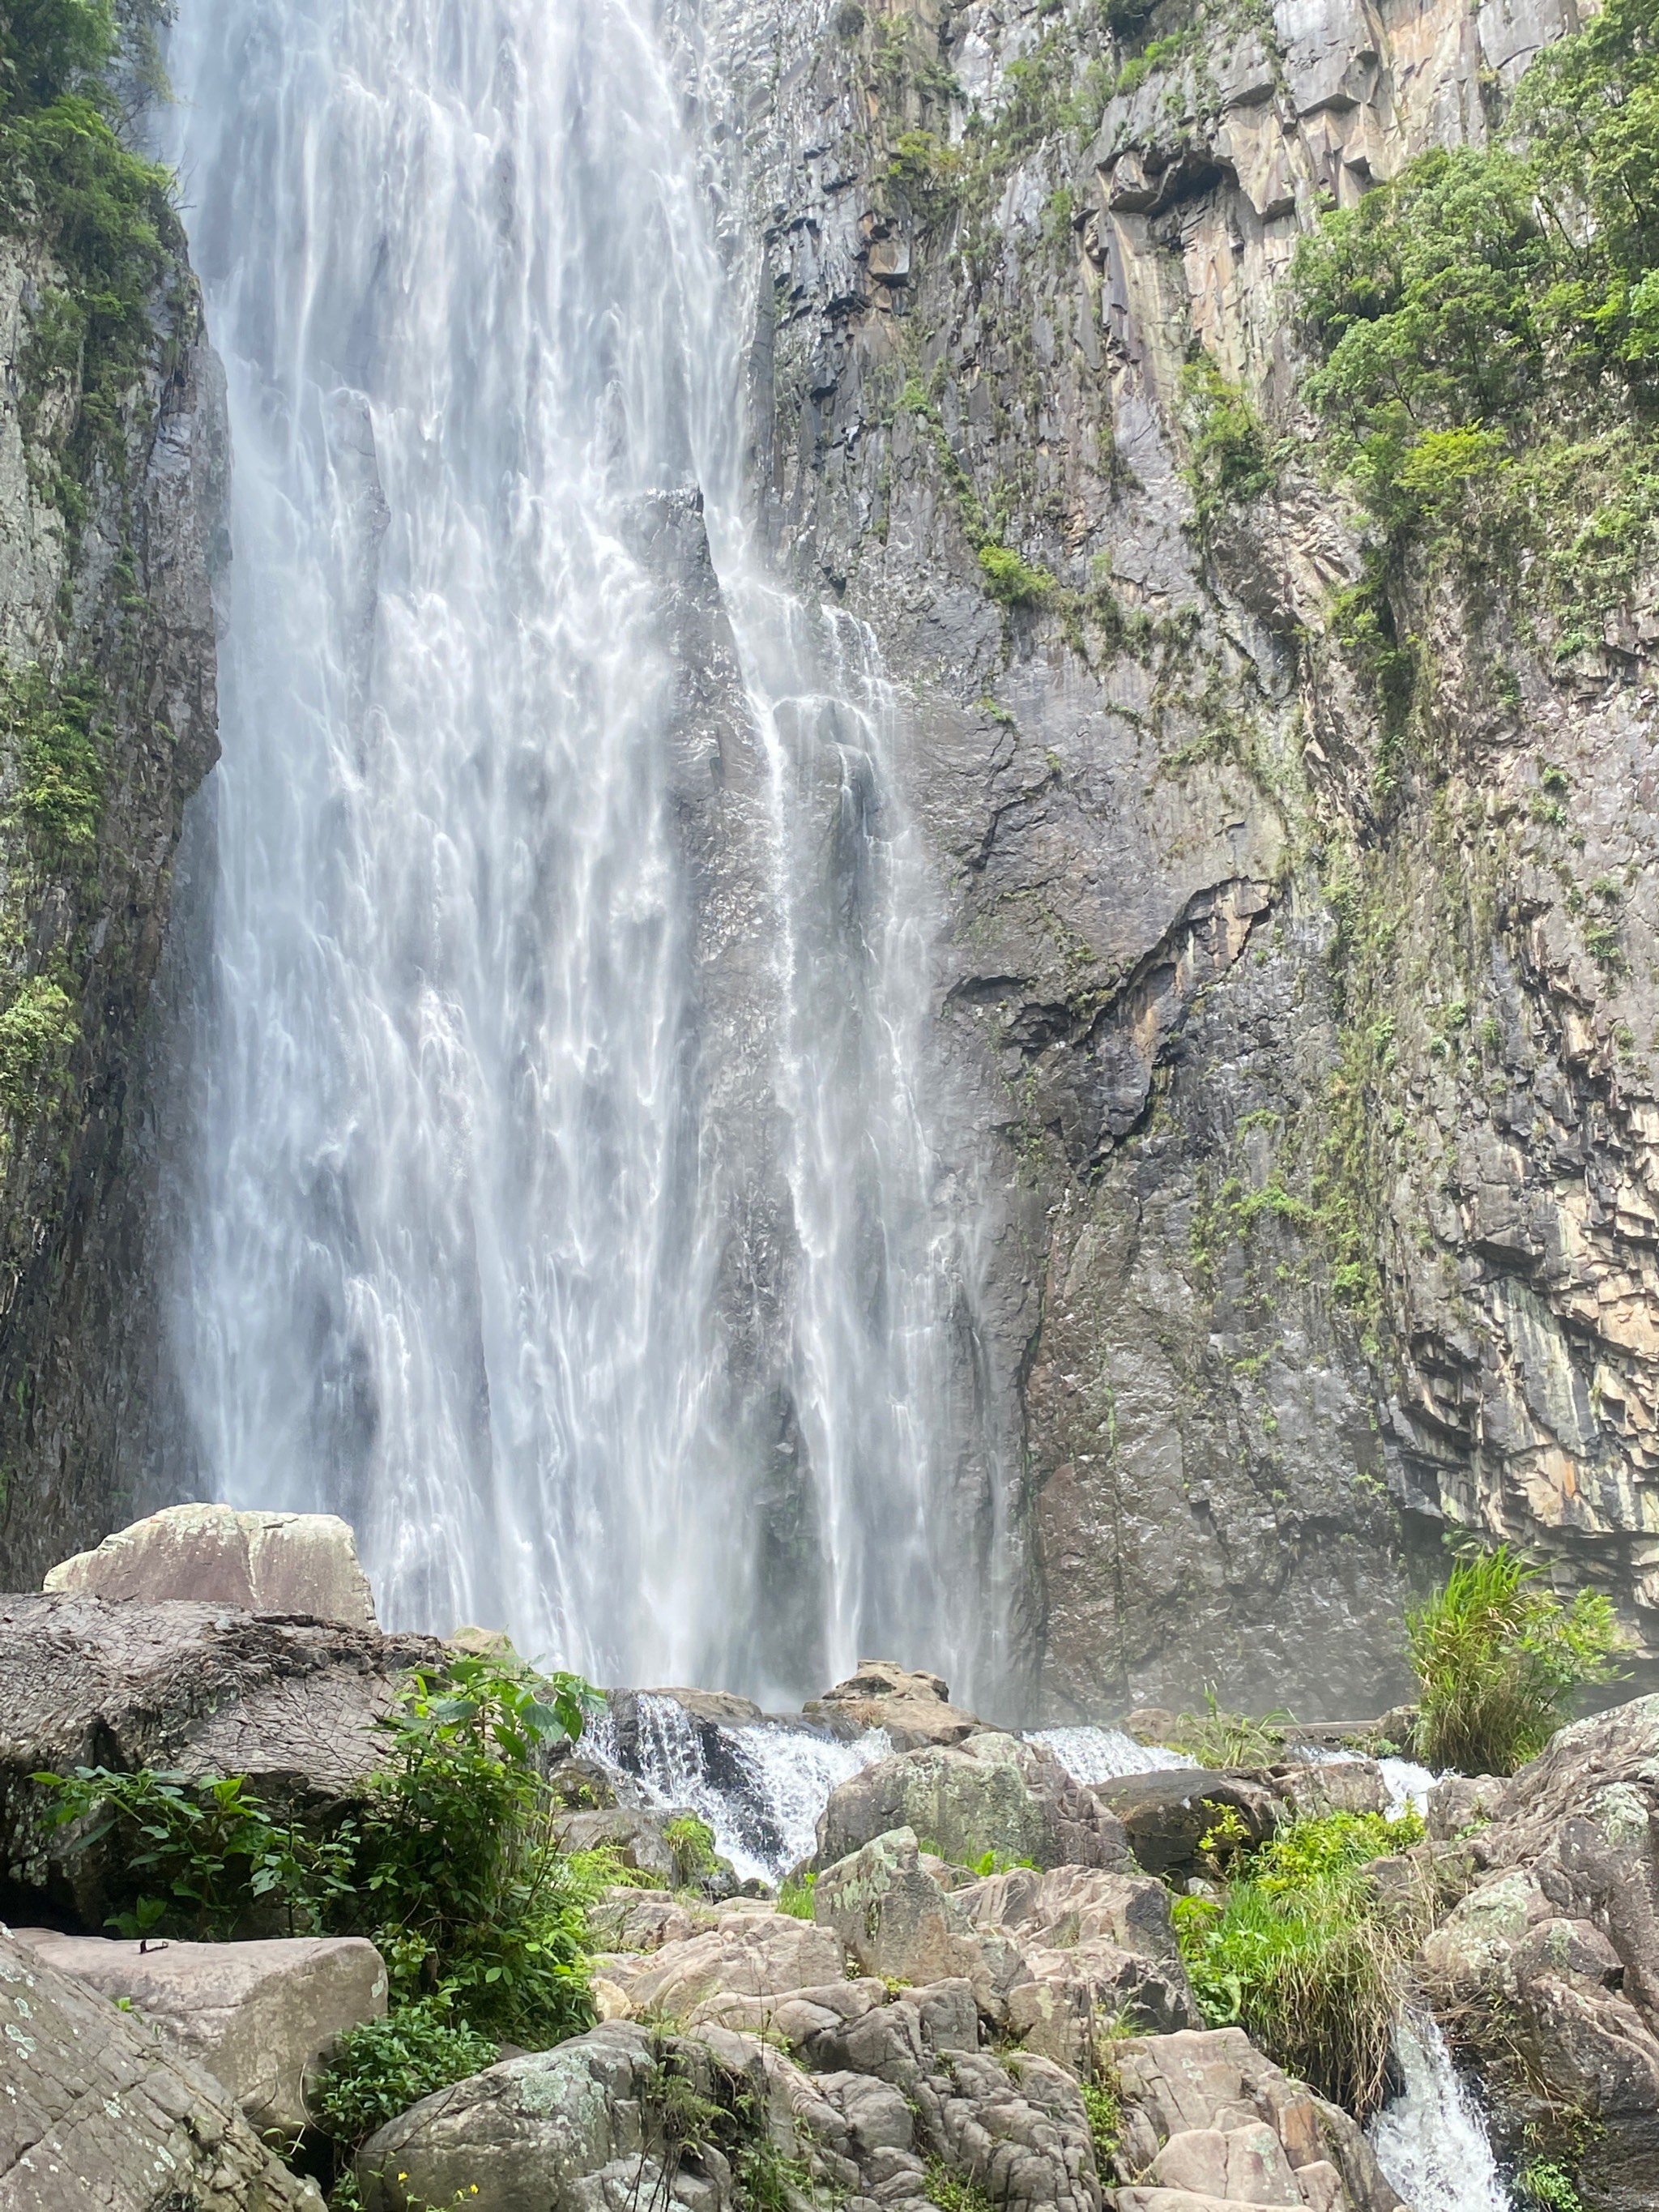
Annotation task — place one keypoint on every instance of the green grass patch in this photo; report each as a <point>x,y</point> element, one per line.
<point>1499,1657</point>
<point>1301,1956</point>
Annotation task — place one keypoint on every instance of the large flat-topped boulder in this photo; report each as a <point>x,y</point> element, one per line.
<point>262,2018</point>
<point>914,1708</point>
<point>190,1688</point>
<point>295,1563</point>
<point>97,2111</point>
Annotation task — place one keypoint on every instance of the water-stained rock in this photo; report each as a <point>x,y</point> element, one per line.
<point>264,1562</point>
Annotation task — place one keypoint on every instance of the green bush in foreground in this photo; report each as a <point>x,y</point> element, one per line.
<point>1497,1656</point>
<point>1301,1956</point>
<point>382,2068</point>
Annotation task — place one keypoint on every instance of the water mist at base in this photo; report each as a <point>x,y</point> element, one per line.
<point>558,1204</point>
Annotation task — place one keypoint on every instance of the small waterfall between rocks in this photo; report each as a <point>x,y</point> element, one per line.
<point>1429,2140</point>
<point>761,1791</point>
<point>558,1203</point>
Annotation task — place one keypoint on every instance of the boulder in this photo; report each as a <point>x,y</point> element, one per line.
<point>749,1953</point>
<point>96,2110</point>
<point>637,1837</point>
<point>914,1709</point>
<point>900,1925</point>
<point>1099,1945</point>
<point>287,1563</point>
<point>191,1688</point>
<point>1167,1815</point>
<point>1548,1969</point>
<point>261,2018</point>
<point>1335,1785</point>
<point>992,1793</point>
<point>1208,2121</point>
<point>592,2125</point>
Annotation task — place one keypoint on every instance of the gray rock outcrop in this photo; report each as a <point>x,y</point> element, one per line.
<point>262,2018</point>
<point>99,2110</point>
<point>194,1689</point>
<point>1548,1971</point>
<point>991,1793</point>
<point>1207,2120</point>
<point>914,1708</point>
<point>296,1563</point>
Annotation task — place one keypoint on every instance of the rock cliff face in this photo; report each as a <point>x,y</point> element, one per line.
<point>110,521</point>
<point>1309,1073</point>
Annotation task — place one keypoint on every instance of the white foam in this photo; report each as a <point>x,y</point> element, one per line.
<point>1429,2141</point>
<point>1103,1754</point>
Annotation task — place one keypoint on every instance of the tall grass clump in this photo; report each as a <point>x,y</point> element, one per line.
<point>1302,1954</point>
<point>1497,1656</point>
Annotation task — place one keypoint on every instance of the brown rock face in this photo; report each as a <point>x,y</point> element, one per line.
<point>294,1563</point>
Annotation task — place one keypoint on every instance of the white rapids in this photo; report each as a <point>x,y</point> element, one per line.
<point>558,1201</point>
<point>1101,1754</point>
<point>1429,2140</point>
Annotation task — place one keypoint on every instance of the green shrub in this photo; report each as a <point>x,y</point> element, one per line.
<point>1218,1739</point>
<point>1231,462</point>
<point>1302,1957</point>
<point>449,1861</point>
<point>1497,1658</point>
<point>52,731</point>
<point>1102,2101</point>
<point>1013,582</point>
<point>383,2067</point>
<point>1546,2185</point>
<point>692,1842</point>
<point>955,2192</point>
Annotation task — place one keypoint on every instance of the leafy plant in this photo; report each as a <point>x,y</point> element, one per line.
<point>955,2192</point>
<point>384,2066</point>
<point>692,1842</point>
<point>1231,462</point>
<point>995,1862</point>
<point>1497,1656</point>
<point>1546,2185</point>
<point>51,730</point>
<point>1301,1954</point>
<point>206,1859</point>
<point>1104,2103</point>
<point>1011,581</point>
<point>38,1028</point>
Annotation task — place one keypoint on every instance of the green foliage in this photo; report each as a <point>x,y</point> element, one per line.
<point>51,731</point>
<point>104,215</point>
<point>449,1861</point>
<point>1547,2185</point>
<point>36,1030</point>
<point>692,1842</point>
<point>210,1861</point>
<point>1302,1957</point>
<point>955,2192</point>
<point>1232,463</point>
<point>1013,582</point>
<point>1102,2101</point>
<point>1497,1656</point>
<point>381,2068</point>
<point>795,1893</point>
<point>1486,329</point>
<point>995,1862</point>
<point>1218,1739</point>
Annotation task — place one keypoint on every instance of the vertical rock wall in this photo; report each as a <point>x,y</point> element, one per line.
<point>1306,1085</point>
<point>107,649</point>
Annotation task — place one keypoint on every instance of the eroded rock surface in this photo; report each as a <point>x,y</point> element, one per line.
<point>914,1708</point>
<point>300,1563</point>
<point>95,2108</point>
<point>196,1689</point>
<point>991,1793</point>
<point>262,2018</point>
<point>1548,1971</point>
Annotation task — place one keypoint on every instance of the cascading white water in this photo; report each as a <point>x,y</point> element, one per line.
<point>558,1205</point>
<point>1429,2140</point>
<point>1101,1754</point>
<point>763,1806</point>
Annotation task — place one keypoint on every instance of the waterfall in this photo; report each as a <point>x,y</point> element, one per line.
<point>559,1203</point>
<point>762,1793</point>
<point>1429,2140</point>
<point>1101,1754</point>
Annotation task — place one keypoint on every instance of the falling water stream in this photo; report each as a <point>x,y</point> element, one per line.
<point>558,1202</point>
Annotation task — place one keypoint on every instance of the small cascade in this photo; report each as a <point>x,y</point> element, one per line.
<point>1103,1754</point>
<point>1429,2140</point>
<point>1407,1784</point>
<point>761,1788</point>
